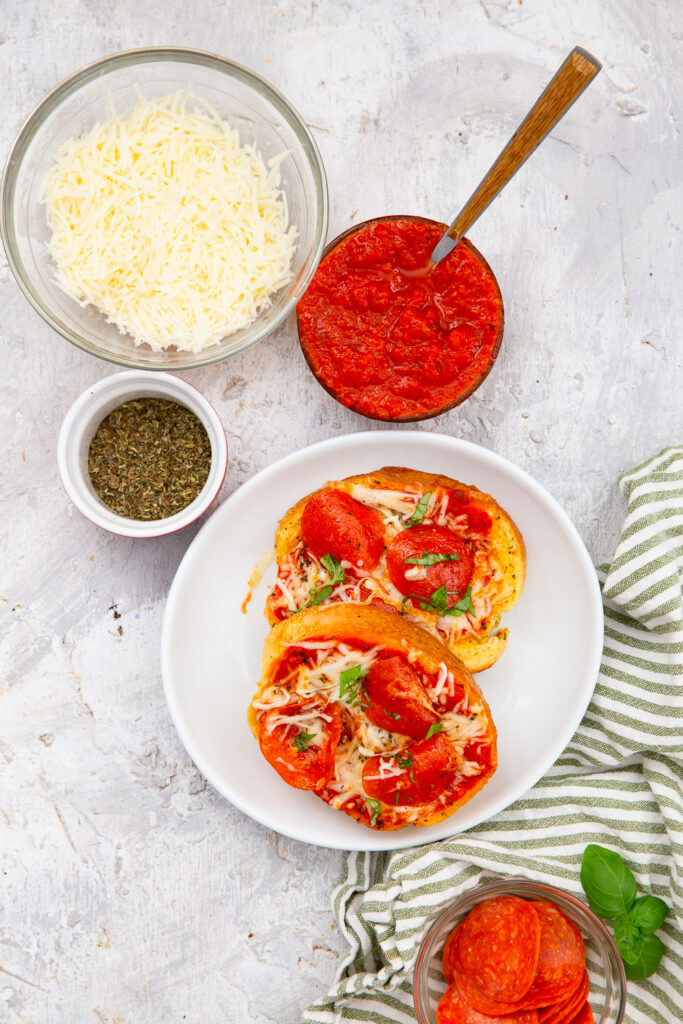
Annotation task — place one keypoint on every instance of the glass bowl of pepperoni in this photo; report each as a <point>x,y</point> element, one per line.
<point>554,960</point>
<point>391,336</point>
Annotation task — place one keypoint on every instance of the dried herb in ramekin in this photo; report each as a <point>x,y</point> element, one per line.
<point>149,458</point>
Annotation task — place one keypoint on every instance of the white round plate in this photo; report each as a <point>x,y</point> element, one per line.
<point>211,651</point>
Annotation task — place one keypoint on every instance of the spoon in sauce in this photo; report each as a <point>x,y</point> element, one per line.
<point>577,71</point>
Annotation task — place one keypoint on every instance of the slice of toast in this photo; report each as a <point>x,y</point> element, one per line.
<point>497,580</point>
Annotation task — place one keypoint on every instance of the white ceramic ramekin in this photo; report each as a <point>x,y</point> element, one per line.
<point>83,419</point>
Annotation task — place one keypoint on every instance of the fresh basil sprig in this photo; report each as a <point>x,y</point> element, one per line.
<point>427,558</point>
<point>420,510</point>
<point>433,729</point>
<point>322,593</point>
<point>611,890</point>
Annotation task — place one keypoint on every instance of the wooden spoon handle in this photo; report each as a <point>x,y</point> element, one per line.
<point>567,85</point>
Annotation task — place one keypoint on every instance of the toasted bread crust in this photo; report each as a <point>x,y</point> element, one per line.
<point>372,626</point>
<point>477,653</point>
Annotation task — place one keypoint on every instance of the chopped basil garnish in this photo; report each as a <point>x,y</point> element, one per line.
<point>433,729</point>
<point>420,510</point>
<point>392,714</point>
<point>302,740</point>
<point>406,764</point>
<point>463,605</point>
<point>351,686</point>
<point>438,602</point>
<point>431,559</point>
<point>375,806</point>
<point>335,570</point>
<point>333,567</point>
<point>318,596</point>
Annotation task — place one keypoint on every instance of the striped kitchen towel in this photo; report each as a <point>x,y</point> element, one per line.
<point>619,783</point>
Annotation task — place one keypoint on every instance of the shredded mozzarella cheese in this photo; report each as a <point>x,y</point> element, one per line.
<point>306,721</point>
<point>177,233</point>
<point>380,497</point>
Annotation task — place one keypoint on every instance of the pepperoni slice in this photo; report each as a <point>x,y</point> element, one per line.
<point>428,767</point>
<point>478,751</point>
<point>478,521</point>
<point>335,523</point>
<point>446,955</point>
<point>498,951</point>
<point>565,1011</point>
<point>454,574</point>
<point>584,1016</point>
<point>397,700</point>
<point>306,765</point>
<point>453,1008</point>
<point>561,958</point>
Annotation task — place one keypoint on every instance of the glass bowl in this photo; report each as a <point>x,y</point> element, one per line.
<point>607,995</point>
<point>263,118</point>
<point>436,410</point>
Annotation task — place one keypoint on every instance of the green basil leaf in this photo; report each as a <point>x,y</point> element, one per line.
<point>433,729</point>
<point>432,559</point>
<point>333,567</point>
<point>648,913</point>
<point>648,959</point>
<point>628,938</point>
<point>608,883</point>
<point>438,602</point>
<point>351,686</point>
<point>349,675</point>
<point>420,510</point>
<point>375,806</point>
<point>302,739</point>
<point>463,605</point>
<point>335,570</point>
<point>319,596</point>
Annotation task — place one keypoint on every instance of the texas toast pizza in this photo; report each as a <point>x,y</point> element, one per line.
<point>438,551</point>
<point>373,715</point>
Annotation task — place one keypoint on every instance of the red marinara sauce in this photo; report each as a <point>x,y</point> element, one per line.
<point>391,336</point>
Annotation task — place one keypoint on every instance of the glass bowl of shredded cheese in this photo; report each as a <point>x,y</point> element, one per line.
<point>164,208</point>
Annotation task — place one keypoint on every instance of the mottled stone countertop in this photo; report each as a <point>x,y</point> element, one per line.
<point>131,893</point>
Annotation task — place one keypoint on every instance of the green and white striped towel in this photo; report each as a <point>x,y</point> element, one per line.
<point>619,783</point>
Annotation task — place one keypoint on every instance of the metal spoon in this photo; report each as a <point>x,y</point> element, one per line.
<point>578,70</point>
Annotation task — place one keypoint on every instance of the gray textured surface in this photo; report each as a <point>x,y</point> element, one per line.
<point>131,893</point>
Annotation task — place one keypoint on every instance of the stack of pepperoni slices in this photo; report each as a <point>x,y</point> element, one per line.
<point>515,961</point>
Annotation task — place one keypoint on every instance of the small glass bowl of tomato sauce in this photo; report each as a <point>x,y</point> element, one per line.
<point>607,981</point>
<point>391,336</point>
